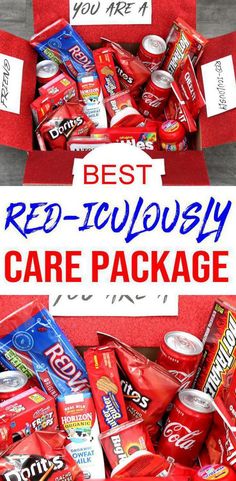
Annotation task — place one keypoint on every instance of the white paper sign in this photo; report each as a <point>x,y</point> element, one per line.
<point>219,85</point>
<point>108,12</point>
<point>11,71</point>
<point>94,303</point>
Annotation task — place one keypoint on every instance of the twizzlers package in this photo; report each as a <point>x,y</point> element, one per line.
<point>40,457</point>
<point>31,340</point>
<point>148,388</point>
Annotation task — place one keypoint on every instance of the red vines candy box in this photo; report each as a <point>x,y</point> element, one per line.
<point>52,462</point>
<point>132,73</point>
<point>58,127</point>
<point>148,388</point>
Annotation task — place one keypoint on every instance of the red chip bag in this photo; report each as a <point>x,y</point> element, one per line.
<point>58,127</point>
<point>39,457</point>
<point>147,387</point>
<point>190,89</point>
<point>176,109</point>
<point>132,73</point>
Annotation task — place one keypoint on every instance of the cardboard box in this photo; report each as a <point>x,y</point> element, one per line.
<point>16,128</point>
<point>32,410</point>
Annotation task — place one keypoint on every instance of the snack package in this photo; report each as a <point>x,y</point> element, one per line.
<point>190,89</point>
<point>57,128</point>
<point>5,431</point>
<point>39,457</point>
<point>176,109</point>
<point>144,138</point>
<point>182,41</point>
<point>148,388</point>
<point>60,43</point>
<point>106,71</point>
<point>142,464</point>
<point>132,73</point>
<point>106,387</point>
<point>219,350</point>
<point>91,94</point>
<point>122,441</point>
<point>84,144</point>
<point>78,418</point>
<point>32,410</point>
<point>117,102</point>
<point>33,343</point>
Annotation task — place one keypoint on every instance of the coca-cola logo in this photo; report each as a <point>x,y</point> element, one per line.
<point>152,99</point>
<point>181,436</point>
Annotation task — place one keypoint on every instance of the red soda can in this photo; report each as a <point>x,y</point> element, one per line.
<point>12,383</point>
<point>46,71</point>
<point>151,51</point>
<point>186,427</point>
<point>180,354</point>
<point>156,94</point>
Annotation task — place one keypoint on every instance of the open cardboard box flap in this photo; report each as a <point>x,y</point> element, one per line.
<point>55,168</point>
<point>16,129</point>
<point>219,129</point>
<point>163,15</point>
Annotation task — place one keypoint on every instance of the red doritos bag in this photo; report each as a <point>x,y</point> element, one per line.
<point>39,457</point>
<point>148,388</point>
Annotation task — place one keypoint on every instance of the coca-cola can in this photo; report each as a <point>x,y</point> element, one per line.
<point>12,383</point>
<point>186,427</point>
<point>156,94</point>
<point>151,51</point>
<point>180,354</point>
<point>46,70</point>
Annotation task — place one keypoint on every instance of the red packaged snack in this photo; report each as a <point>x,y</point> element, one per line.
<point>219,350</point>
<point>5,431</point>
<point>182,41</point>
<point>32,410</point>
<point>128,117</point>
<point>190,89</point>
<point>106,70</point>
<point>147,387</point>
<point>39,457</point>
<point>121,442</point>
<point>58,127</point>
<point>131,71</point>
<point>117,102</point>
<point>142,464</point>
<point>144,138</point>
<point>176,109</point>
<point>215,472</point>
<point>106,387</point>
<point>82,144</point>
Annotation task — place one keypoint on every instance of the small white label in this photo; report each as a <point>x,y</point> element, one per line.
<point>97,303</point>
<point>108,12</point>
<point>11,71</point>
<point>219,85</point>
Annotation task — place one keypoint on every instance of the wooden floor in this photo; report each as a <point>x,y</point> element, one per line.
<point>215,17</point>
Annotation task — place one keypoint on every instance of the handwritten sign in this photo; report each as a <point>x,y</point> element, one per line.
<point>219,85</point>
<point>11,70</point>
<point>107,12</point>
<point>112,304</point>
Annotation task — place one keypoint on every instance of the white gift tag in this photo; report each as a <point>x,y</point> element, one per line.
<point>108,12</point>
<point>11,72</point>
<point>100,303</point>
<point>219,85</point>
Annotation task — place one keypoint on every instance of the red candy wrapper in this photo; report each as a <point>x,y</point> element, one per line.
<point>106,388</point>
<point>190,89</point>
<point>121,442</point>
<point>144,138</point>
<point>58,127</point>
<point>131,71</point>
<point>182,41</point>
<point>40,457</point>
<point>176,109</point>
<point>106,71</point>
<point>219,350</point>
<point>148,388</point>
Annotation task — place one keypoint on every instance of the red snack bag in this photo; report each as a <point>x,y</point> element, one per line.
<point>148,388</point>
<point>190,89</point>
<point>106,387</point>
<point>131,71</point>
<point>58,127</point>
<point>176,109</point>
<point>106,71</point>
<point>5,430</point>
<point>182,41</point>
<point>39,457</point>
